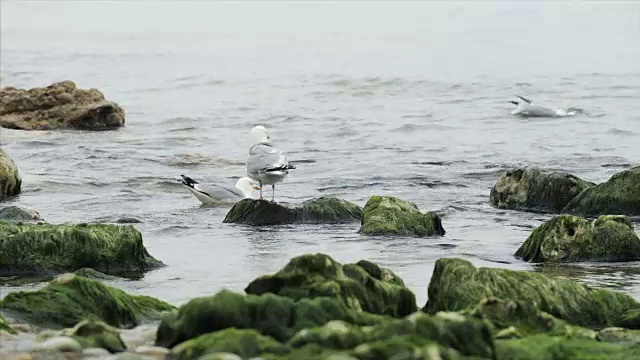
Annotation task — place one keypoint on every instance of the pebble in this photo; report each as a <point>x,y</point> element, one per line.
<point>220,356</point>
<point>95,353</point>
<point>60,343</point>
<point>149,350</point>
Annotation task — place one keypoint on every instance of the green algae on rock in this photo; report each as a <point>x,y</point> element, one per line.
<point>69,299</point>
<point>535,189</point>
<point>457,285</point>
<point>10,181</point>
<point>363,286</point>
<point>566,238</point>
<point>32,250</point>
<point>388,215</point>
<point>619,335</point>
<point>324,210</point>
<point>4,326</point>
<point>620,195</point>
<point>545,347</point>
<point>96,275</point>
<point>90,334</point>
<point>271,315</point>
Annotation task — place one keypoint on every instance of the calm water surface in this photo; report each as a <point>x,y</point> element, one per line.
<point>405,99</point>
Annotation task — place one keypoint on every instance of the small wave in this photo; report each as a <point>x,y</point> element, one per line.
<point>616,131</point>
<point>623,165</point>
<point>191,160</point>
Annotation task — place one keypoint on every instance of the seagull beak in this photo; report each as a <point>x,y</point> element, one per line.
<point>255,187</point>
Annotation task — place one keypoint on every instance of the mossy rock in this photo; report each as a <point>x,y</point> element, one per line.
<point>620,195</point>
<point>545,347</point>
<point>363,286</point>
<point>4,326</point>
<point>535,189</point>
<point>96,334</point>
<point>456,285</point>
<point>69,299</point>
<point>40,250</point>
<point>388,215</point>
<point>324,210</point>
<point>96,275</point>
<point>619,335</point>
<point>271,315</point>
<point>10,181</point>
<point>567,238</point>
<point>516,319</point>
<point>14,213</point>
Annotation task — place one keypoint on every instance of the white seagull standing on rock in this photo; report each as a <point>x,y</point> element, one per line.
<point>214,194</point>
<point>266,164</point>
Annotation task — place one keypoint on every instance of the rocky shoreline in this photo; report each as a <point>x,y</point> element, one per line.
<point>315,307</point>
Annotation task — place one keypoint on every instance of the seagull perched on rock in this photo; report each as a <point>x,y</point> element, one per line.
<point>266,164</point>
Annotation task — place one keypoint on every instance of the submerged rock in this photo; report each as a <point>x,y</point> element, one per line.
<point>271,315</point>
<point>69,299</point>
<point>58,106</point>
<point>14,213</point>
<point>456,285</point>
<point>571,238</point>
<point>536,189</point>
<point>324,210</point>
<point>620,195</point>
<point>387,215</point>
<point>10,181</point>
<point>32,250</point>
<point>363,286</point>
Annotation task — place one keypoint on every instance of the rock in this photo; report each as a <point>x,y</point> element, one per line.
<point>568,238</point>
<point>324,210</point>
<point>220,356</point>
<point>363,286</point>
<point>14,213</point>
<point>4,326</point>
<point>271,315</point>
<point>539,347</point>
<point>619,335</point>
<point>96,275</point>
<point>69,299</point>
<point>97,334</point>
<point>153,351</point>
<point>620,195</point>
<point>228,344</point>
<point>10,181</point>
<point>536,189</point>
<point>456,285</point>
<point>95,353</point>
<point>32,250</point>
<point>58,106</point>
<point>387,215</point>
<point>60,343</point>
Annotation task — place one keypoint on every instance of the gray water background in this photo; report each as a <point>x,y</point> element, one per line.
<point>408,99</point>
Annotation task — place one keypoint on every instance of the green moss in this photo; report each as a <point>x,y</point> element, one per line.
<point>271,315</point>
<point>536,189</point>
<point>544,347</point>
<point>566,238</point>
<point>97,334</point>
<point>325,210</point>
<point>456,285</point>
<point>92,274</point>
<point>619,335</point>
<point>387,215</point>
<point>69,299</point>
<point>619,195</point>
<point>40,249</point>
<point>10,181</point>
<point>363,286</point>
<point>246,343</point>
<point>4,326</point>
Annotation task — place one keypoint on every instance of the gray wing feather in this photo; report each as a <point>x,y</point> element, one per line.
<point>264,156</point>
<point>219,191</point>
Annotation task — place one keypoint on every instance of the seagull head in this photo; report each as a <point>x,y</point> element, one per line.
<point>247,186</point>
<point>259,134</point>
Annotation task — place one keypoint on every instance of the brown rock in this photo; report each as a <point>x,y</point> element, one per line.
<point>58,106</point>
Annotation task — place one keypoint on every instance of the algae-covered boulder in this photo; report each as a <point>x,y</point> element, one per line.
<point>363,286</point>
<point>544,347</point>
<point>535,189</point>
<point>324,210</point>
<point>456,285</point>
<point>60,105</point>
<point>566,238</point>
<point>14,213</point>
<point>387,215</point>
<point>97,334</point>
<point>271,315</point>
<point>10,180</point>
<point>69,299</point>
<point>35,250</point>
<point>620,195</point>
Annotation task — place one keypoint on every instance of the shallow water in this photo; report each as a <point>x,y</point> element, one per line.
<point>408,99</point>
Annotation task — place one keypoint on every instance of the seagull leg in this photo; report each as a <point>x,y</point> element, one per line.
<point>273,192</point>
<point>260,183</point>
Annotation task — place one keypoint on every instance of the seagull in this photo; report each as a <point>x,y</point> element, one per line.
<point>214,194</point>
<point>525,108</point>
<point>266,164</point>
